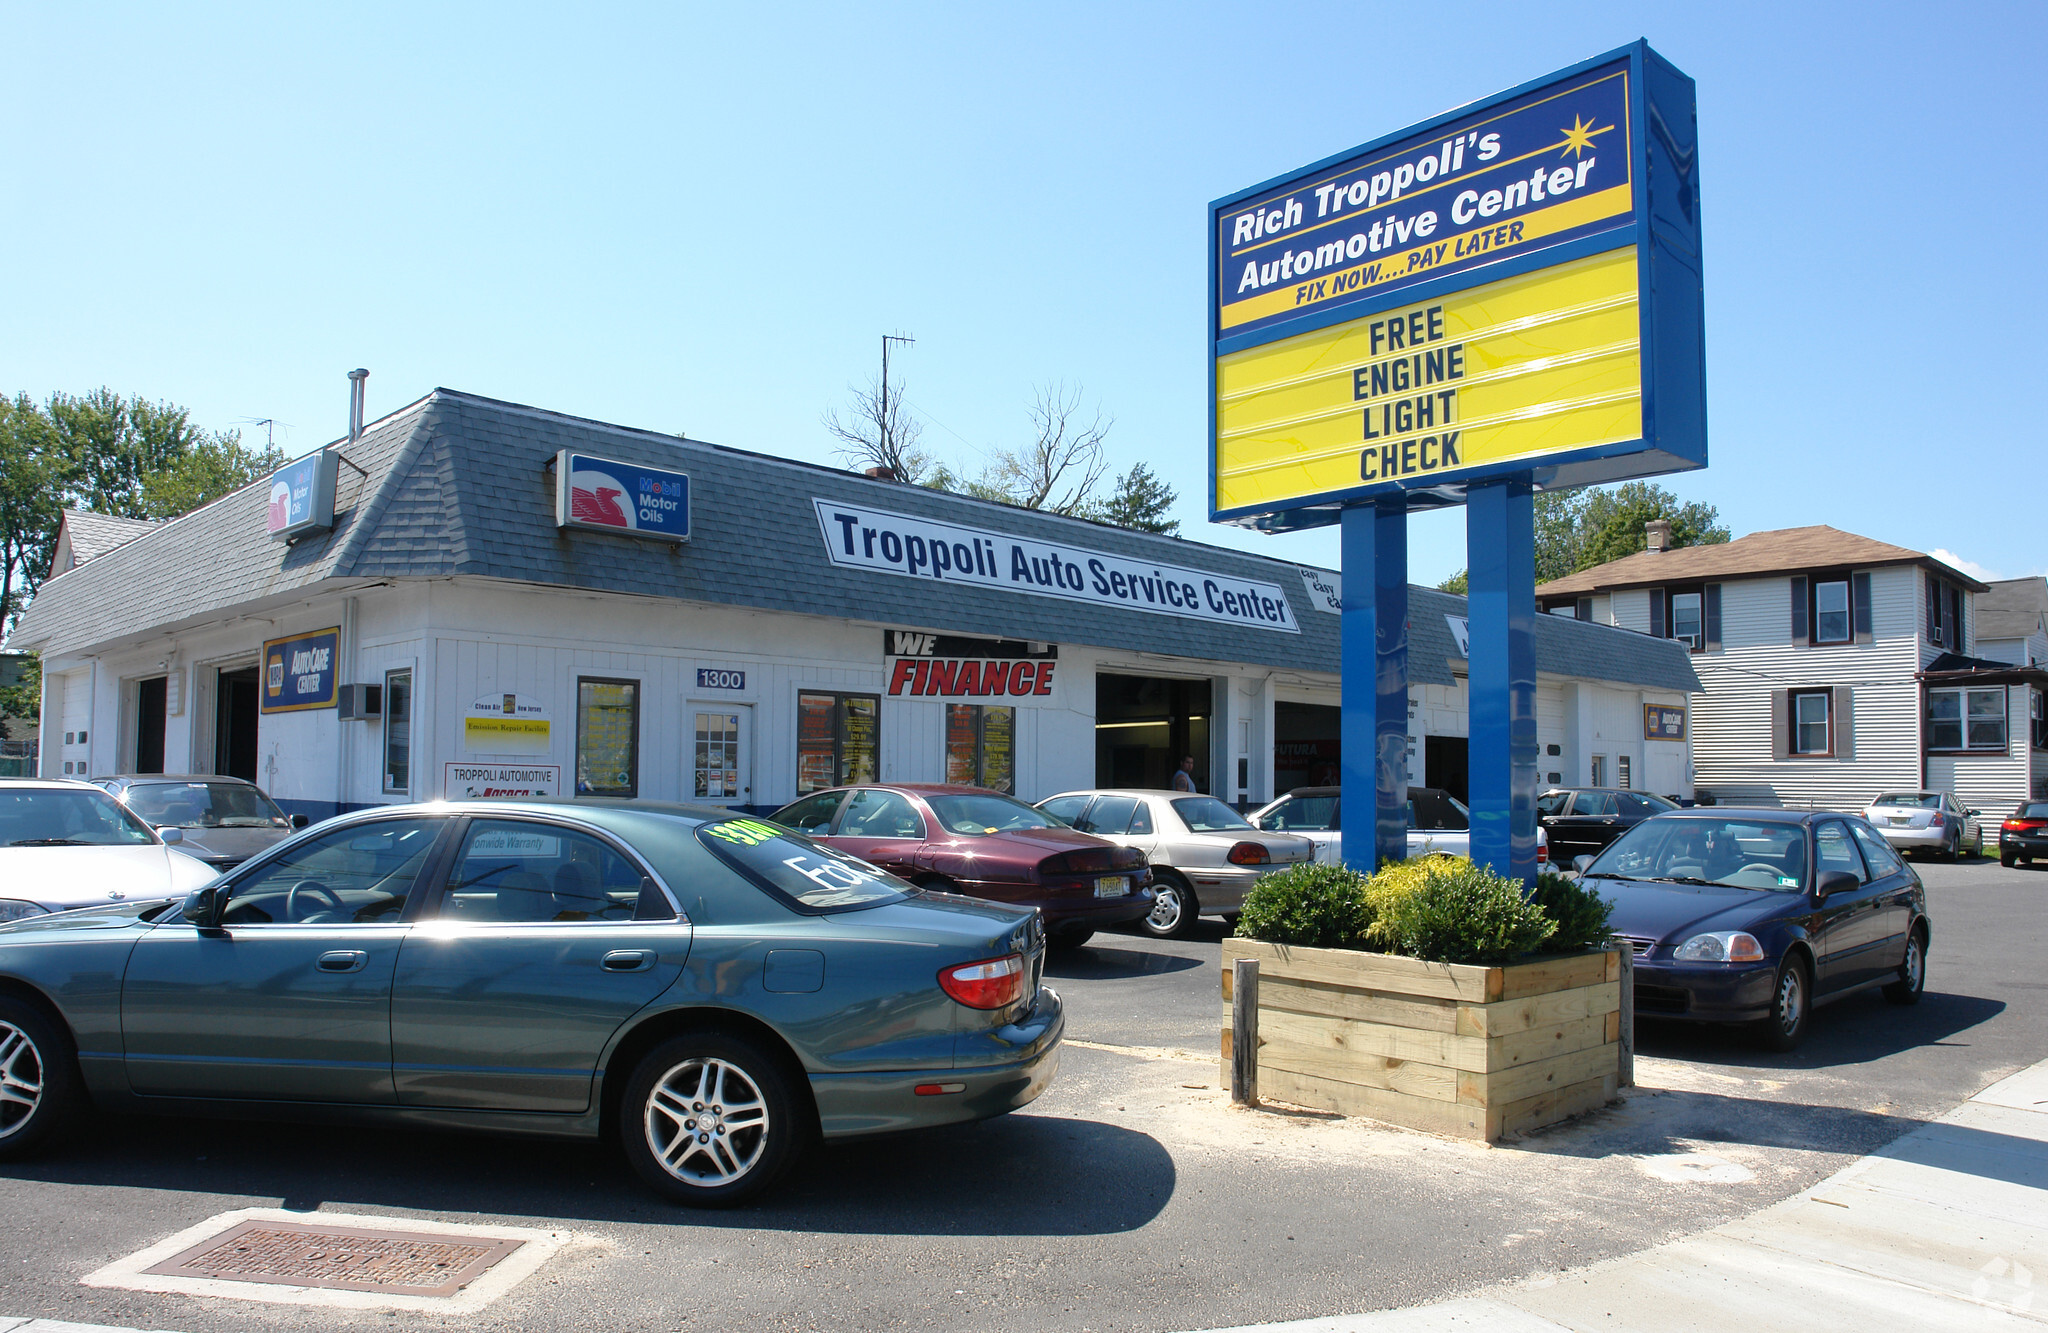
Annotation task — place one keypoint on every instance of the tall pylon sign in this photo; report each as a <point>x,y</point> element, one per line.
<point>1503,299</point>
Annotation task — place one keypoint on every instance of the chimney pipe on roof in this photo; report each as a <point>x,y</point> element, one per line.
<point>882,473</point>
<point>355,404</point>
<point>1657,534</point>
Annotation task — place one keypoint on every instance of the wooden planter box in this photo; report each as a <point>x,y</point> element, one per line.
<point>1475,1052</point>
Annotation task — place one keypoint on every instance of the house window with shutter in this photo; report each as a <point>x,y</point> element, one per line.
<point>1810,729</point>
<point>1815,723</point>
<point>1831,608</point>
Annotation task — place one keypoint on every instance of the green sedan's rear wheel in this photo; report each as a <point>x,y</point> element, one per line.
<point>1174,907</point>
<point>710,1119</point>
<point>40,1090</point>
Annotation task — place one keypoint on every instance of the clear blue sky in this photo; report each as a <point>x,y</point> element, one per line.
<point>701,218</point>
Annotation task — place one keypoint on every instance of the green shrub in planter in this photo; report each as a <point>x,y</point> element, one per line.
<point>1396,882</point>
<point>1314,906</point>
<point>1464,913</point>
<point>1580,914</point>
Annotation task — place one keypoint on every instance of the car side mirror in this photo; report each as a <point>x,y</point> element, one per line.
<point>1833,882</point>
<point>199,906</point>
<point>171,837</point>
<point>1580,862</point>
<point>300,821</point>
<point>1973,812</point>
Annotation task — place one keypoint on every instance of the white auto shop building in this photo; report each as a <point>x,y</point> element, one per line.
<point>436,608</point>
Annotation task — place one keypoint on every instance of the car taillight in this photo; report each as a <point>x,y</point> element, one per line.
<point>2024,825</point>
<point>1249,854</point>
<point>991,983</point>
<point>1934,821</point>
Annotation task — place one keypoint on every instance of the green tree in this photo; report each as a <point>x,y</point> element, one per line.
<point>1139,501</point>
<point>35,468</point>
<point>23,698</point>
<point>1457,583</point>
<point>116,444</point>
<point>216,463</point>
<point>1613,523</point>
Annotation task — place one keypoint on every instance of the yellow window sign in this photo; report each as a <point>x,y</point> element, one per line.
<point>506,735</point>
<point>1524,367</point>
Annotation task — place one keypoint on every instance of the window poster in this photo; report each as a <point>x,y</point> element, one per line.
<point>998,748</point>
<point>816,751</point>
<point>607,737</point>
<point>861,753</point>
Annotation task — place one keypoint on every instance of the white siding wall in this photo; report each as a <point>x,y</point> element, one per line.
<point>1629,609</point>
<point>1732,722</point>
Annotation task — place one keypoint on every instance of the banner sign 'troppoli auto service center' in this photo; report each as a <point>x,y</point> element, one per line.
<point>926,548</point>
<point>948,666</point>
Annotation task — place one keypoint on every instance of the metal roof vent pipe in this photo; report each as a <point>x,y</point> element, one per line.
<point>1657,534</point>
<point>355,404</point>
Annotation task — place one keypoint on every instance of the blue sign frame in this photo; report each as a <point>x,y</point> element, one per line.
<point>628,499</point>
<point>1664,226</point>
<point>300,672</point>
<point>302,496</point>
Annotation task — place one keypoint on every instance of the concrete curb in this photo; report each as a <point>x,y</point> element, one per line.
<point>1945,1228</point>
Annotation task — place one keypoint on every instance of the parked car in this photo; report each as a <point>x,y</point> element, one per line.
<point>65,845</point>
<point>224,820</point>
<point>2024,836</point>
<point>1756,916</point>
<point>1581,821</point>
<point>1438,822</point>
<point>984,844</point>
<point>1204,855</point>
<point>1926,821</point>
<point>500,963</point>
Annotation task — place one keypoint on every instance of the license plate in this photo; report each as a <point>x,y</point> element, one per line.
<point>1111,886</point>
<point>1898,820</point>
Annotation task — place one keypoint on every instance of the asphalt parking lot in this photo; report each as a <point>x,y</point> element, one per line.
<point>1129,1197</point>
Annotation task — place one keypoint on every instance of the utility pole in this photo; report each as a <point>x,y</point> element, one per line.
<point>888,422</point>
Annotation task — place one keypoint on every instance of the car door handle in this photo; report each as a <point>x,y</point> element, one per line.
<point>629,960</point>
<point>343,960</point>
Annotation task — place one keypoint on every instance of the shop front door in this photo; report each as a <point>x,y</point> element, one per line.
<point>720,763</point>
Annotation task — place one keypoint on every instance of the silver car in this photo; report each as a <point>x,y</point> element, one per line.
<point>1926,821</point>
<point>65,845</point>
<point>224,820</point>
<point>1205,856</point>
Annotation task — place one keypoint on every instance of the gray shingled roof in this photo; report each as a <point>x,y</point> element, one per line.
<point>2013,608</point>
<point>93,535</point>
<point>455,485</point>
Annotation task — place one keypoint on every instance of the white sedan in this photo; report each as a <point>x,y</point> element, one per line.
<point>65,845</point>
<point>1438,823</point>
<point>1205,857</point>
<point>1926,821</point>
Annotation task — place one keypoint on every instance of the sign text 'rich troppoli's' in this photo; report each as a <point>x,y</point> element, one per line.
<point>947,552</point>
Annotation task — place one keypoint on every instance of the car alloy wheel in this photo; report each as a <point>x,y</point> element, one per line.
<point>710,1119</point>
<point>21,1080</point>
<point>1174,911</point>
<point>41,1094</point>
<point>707,1122</point>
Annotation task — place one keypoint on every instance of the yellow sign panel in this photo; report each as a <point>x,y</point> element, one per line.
<point>1516,369</point>
<point>506,735</point>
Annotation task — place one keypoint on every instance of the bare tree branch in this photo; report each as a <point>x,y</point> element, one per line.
<point>876,431</point>
<point>1061,467</point>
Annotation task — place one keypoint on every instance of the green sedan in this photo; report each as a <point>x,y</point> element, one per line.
<point>715,991</point>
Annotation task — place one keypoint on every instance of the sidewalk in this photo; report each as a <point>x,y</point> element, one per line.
<point>1946,1228</point>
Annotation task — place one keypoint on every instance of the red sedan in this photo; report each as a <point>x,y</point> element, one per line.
<point>983,844</point>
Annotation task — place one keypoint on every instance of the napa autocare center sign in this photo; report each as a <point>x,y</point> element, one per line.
<point>863,538</point>
<point>299,673</point>
<point>1513,287</point>
<point>606,495</point>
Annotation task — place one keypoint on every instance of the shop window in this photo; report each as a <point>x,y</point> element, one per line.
<point>1966,719</point>
<point>1622,776</point>
<point>1598,771</point>
<point>838,740</point>
<point>607,737</point>
<point>981,745</point>
<point>397,733</point>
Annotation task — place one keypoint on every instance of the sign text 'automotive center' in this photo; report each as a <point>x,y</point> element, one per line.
<point>1519,367</point>
<point>948,552</point>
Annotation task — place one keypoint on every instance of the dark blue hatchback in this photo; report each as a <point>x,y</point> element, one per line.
<point>1756,916</point>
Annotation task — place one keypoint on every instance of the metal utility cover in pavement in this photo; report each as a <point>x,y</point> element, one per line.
<point>340,1258</point>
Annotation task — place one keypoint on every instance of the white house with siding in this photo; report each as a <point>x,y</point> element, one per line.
<point>1833,666</point>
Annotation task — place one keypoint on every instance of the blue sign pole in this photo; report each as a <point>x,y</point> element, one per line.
<point>1374,763</point>
<point>1500,540</point>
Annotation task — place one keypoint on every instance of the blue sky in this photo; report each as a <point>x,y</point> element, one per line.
<point>702,219</point>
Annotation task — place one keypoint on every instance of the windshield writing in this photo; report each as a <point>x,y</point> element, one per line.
<point>816,877</point>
